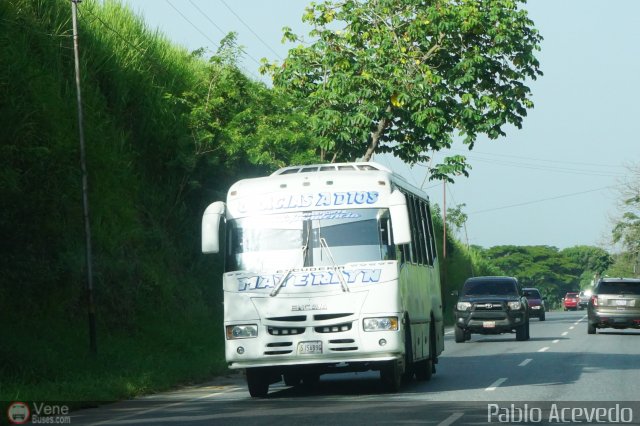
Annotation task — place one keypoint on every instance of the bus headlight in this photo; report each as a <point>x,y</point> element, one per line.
<point>380,324</point>
<point>243,331</point>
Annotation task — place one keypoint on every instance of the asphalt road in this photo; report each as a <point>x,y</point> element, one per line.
<point>561,375</point>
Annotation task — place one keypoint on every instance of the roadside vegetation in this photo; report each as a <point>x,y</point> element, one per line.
<point>167,132</point>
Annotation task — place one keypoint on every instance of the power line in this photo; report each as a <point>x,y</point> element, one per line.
<point>250,29</point>
<point>601,171</point>
<point>208,38</point>
<point>208,19</point>
<point>192,24</point>
<point>605,171</point>
<point>545,160</point>
<point>544,199</point>
<point>117,33</point>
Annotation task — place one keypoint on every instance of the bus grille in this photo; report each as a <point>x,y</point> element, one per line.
<point>285,331</point>
<point>324,317</point>
<point>291,318</point>
<point>279,348</point>
<point>341,345</point>
<point>337,328</point>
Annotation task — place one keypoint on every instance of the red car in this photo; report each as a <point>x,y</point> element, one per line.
<point>570,301</point>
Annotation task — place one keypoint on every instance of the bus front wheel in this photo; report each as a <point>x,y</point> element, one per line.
<point>258,382</point>
<point>391,376</point>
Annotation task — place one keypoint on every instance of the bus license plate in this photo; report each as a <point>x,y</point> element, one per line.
<point>489,324</point>
<point>313,347</point>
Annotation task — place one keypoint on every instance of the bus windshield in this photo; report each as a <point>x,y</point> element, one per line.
<point>318,238</point>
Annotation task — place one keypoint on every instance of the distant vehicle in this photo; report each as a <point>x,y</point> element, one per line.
<point>570,301</point>
<point>491,305</point>
<point>537,305</point>
<point>615,303</point>
<point>583,299</point>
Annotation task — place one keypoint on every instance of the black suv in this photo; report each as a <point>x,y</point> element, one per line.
<point>491,305</point>
<point>615,303</point>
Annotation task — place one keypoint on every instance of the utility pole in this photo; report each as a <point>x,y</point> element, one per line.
<point>443,266</point>
<point>85,187</point>
<point>444,219</point>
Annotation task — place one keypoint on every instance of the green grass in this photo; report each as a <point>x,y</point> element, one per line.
<point>51,361</point>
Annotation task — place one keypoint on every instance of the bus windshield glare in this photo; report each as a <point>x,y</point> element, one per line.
<point>318,238</point>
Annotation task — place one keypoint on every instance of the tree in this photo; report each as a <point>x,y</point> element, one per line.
<point>591,261</point>
<point>384,76</point>
<point>543,267</point>
<point>626,230</point>
<point>235,121</point>
<point>456,217</point>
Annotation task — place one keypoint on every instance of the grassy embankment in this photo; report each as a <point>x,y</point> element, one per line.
<point>158,312</point>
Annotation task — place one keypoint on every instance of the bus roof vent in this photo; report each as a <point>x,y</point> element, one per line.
<point>335,167</point>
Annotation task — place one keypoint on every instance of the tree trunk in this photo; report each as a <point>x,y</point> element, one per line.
<point>375,136</point>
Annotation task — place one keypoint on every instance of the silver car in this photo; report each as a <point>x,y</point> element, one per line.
<point>615,303</point>
<point>583,299</point>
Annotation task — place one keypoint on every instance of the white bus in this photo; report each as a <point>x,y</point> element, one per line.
<point>328,268</point>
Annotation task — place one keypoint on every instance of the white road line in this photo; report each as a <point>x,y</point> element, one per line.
<point>151,410</point>
<point>546,348</point>
<point>565,333</point>
<point>525,362</point>
<point>495,384</point>
<point>451,419</point>
<point>571,328</point>
<point>556,341</point>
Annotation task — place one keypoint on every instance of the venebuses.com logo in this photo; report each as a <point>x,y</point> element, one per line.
<point>18,413</point>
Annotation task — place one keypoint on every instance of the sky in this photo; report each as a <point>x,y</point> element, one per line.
<point>554,182</point>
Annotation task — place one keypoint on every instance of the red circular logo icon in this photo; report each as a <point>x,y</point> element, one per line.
<point>18,413</point>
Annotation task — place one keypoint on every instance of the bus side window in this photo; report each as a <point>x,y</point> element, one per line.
<point>405,253</point>
<point>387,248</point>
<point>411,254</point>
<point>415,236</point>
<point>424,215</point>
<point>432,235</point>
<point>424,241</point>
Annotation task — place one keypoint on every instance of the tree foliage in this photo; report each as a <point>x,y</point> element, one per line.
<point>626,230</point>
<point>553,271</point>
<point>240,120</point>
<point>593,261</point>
<point>384,76</point>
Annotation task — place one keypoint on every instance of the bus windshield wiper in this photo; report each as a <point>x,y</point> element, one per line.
<point>284,279</point>
<point>343,282</point>
<point>276,289</point>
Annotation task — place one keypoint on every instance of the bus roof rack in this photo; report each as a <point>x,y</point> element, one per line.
<point>332,167</point>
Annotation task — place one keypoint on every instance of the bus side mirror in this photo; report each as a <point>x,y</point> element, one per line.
<point>399,218</point>
<point>211,227</point>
